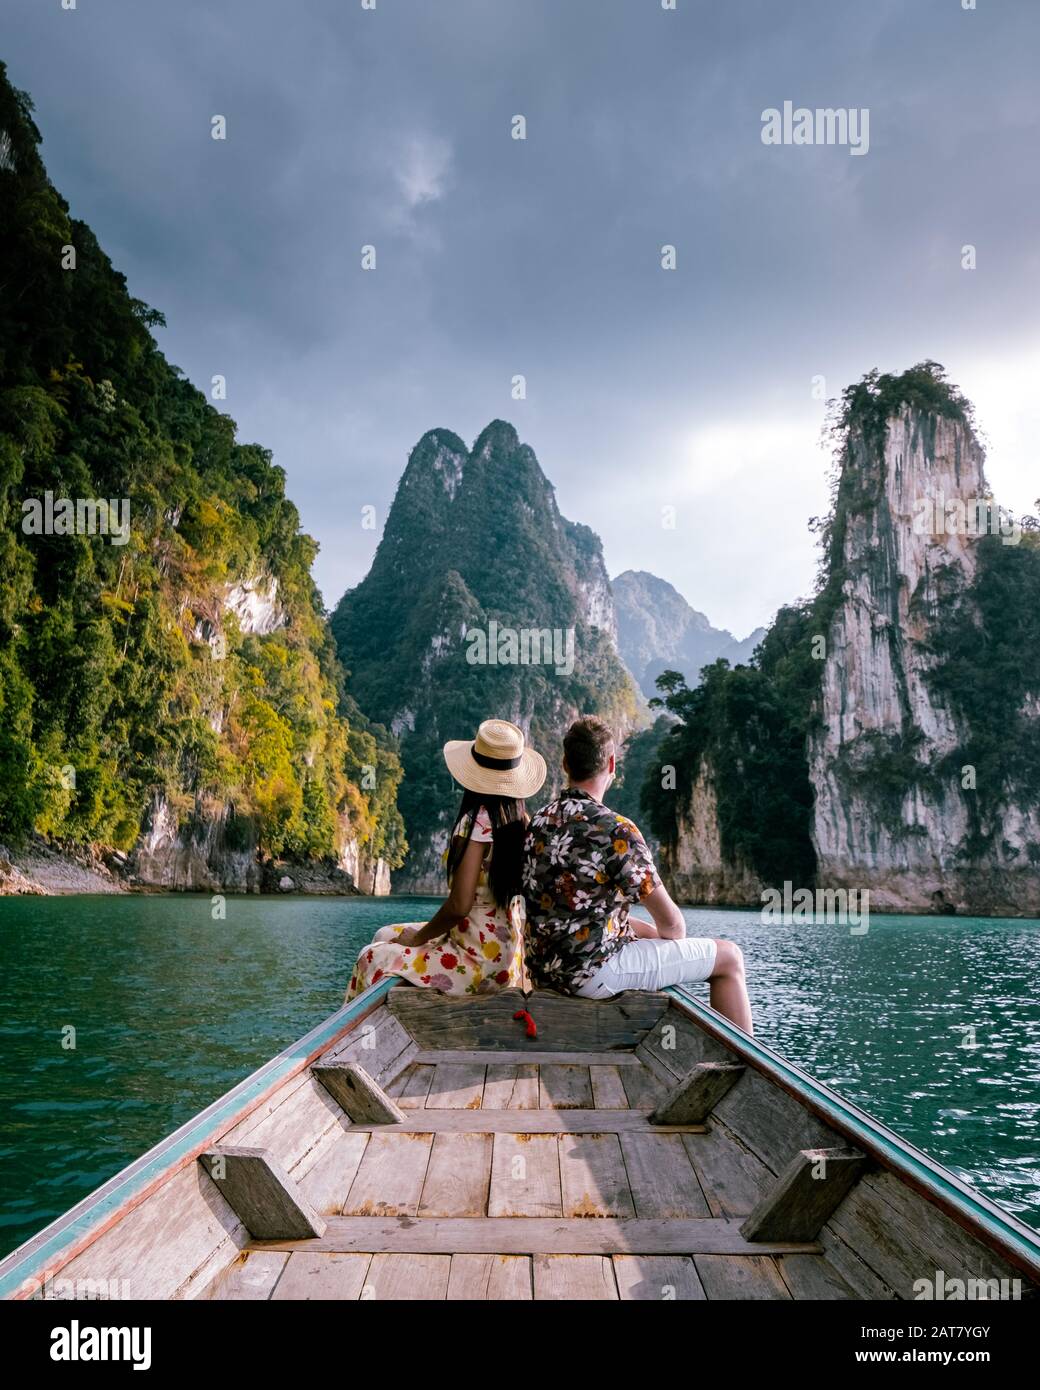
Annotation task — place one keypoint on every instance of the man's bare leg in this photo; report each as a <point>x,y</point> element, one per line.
<point>729,995</point>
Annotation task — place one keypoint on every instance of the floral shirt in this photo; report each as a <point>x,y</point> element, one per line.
<point>584,865</point>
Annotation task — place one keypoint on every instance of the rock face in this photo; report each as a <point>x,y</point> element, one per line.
<point>482,601</point>
<point>207,851</point>
<point>211,850</point>
<point>694,865</point>
<point>40,869</point>
<point>659,631</point>
<point>891,813</point>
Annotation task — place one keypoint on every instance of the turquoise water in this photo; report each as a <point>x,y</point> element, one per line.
<point>171,1008</point>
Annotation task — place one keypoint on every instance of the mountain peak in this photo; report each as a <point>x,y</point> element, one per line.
<point>659,631</point>
<point>498,435</point>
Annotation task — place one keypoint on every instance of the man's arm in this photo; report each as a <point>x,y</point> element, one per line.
<point>669,921</point>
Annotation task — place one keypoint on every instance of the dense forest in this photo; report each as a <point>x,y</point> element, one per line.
<point>130,667</point>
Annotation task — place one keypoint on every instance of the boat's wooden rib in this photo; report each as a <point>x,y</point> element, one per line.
<point>548,1121</point>
<point>533,1235</point>
<point>698,1093</point>
<point>806,1194</point>
<point>530,1168</point>
<point>360,1098</point>
<point>261,1193</point>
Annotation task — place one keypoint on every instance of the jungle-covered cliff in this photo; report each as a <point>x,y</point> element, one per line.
<point>887,734</point>
<point>169,688</point>
<point>474,555</point>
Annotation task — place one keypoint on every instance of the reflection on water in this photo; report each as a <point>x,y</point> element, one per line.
<point>171,1008</point>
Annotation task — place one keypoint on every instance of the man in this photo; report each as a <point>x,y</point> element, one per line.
<point>584,866</point>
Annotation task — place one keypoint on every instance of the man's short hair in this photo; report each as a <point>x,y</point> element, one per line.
<point>587,746</point>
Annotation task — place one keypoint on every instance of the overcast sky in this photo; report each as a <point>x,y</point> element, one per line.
<point>646,388</point>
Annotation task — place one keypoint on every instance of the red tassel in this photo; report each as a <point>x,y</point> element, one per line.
<point>532,1027</point>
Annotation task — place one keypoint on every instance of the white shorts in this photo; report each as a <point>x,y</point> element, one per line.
<point>651,963</point>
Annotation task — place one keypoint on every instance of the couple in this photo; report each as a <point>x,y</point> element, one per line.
<point>552,892</point>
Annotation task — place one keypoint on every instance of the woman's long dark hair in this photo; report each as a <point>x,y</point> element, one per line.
<point>508,818</point>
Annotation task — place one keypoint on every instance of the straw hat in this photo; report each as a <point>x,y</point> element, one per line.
<point>496,761</point>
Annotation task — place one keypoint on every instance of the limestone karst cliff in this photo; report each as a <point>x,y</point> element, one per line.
<point>887,735</point>
<point>901,805</point>
<point>474,555</point>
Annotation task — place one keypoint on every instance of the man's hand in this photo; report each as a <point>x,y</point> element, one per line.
<point>641,927</point>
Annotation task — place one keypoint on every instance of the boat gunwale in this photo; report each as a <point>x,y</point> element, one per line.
<point>25,1270</point>
<point>999,1230</point>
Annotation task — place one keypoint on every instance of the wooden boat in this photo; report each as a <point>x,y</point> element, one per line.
<point>418,1146</point>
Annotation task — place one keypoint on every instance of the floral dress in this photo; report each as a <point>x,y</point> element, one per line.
<point>479,955</point>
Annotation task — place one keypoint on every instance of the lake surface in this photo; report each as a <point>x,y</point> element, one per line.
<point>171,1008</point>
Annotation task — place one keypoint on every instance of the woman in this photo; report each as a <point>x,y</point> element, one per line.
<point>474,942</point>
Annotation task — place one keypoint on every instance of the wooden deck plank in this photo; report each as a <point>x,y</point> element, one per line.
<point>744,1277</point>
<point>525,1176</point>
<point>251,1278</point>
<point>458,1176</point>
<point>564,1088</point>
<point>642,1087</point>
<point>593,1177</point>
<point>525,1091</point>
<point>527,1056</point>
<point>537,1235</point>
<point>418,1081</point>
<point>529,1122</point>
<point>457,1086</point>
<point>574,1277</point>
<point>812,1277</point>
<point>309,1277</point>
<point>607,1091</point>
<point>486,1278</point>
<point>498,1086</point>
<point>731,1177</point>
<point>661,1176</point>
<point>411,1277</point>
<point>326,1183</point>
<point>390,1178</point>
<point>671,1278</point>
